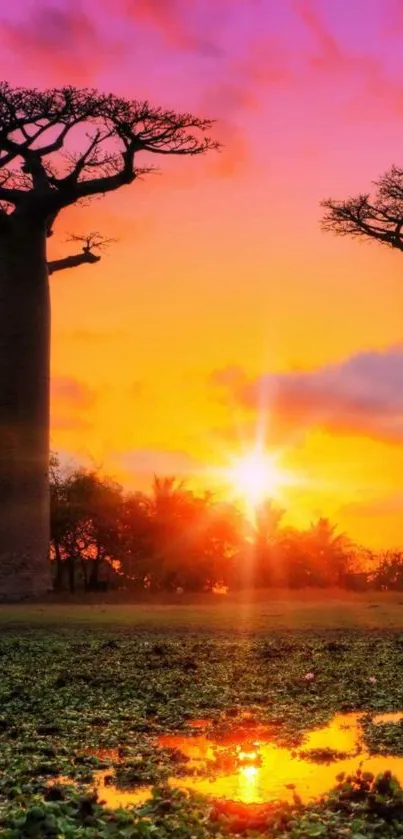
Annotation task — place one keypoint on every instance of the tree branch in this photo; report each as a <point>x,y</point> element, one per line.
<point>14,196</point>
<point>71,191</point>
<point>90,241</point>
<point>34,126</point>
<point>380,219</point>
<point>85,257</point>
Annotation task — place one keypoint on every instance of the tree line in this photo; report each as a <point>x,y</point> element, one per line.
<point>172,539</point>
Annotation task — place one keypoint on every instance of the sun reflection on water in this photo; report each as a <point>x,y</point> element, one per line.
<point>260,771</point>
<point>247,766</point>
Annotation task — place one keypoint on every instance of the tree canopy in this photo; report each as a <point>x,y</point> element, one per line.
<point>61,146</point>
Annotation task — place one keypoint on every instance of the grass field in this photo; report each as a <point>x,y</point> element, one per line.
<point>86,688</point>
<point>260,612</point>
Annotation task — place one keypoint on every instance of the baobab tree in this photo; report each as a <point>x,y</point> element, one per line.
<point>57,148</point>
<point>379,218</point>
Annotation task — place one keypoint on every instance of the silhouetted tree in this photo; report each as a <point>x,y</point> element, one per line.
<point>58,516</point>
<point>193,537</point>
<point>173,510</point>
<point>379,218</point>
<point>96,504</point>
<point>57,147</point>
<point>172,537</point>
<point>136,530</point>
<point>389,574</point>
<point>328,553</point>
<point>86,511</point>
<point>267,544</point>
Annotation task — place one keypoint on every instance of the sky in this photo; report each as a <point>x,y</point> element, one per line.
<point>222,308</point>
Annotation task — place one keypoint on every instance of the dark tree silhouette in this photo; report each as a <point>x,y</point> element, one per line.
<point>57,147</point>
<point>379,218</point>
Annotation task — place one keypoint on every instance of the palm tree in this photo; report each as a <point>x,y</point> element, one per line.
<point>329,551</point>
<point>265,537</point>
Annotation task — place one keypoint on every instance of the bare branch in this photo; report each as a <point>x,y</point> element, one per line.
<point>91,241</point>
<point>380,219</point>
<point>72,261</point>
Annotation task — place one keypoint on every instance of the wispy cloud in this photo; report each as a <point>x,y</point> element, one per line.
<point>73,392</point>
<point>371,89</point>
<point>59,41</point>
<point>190,26</point>
<point>390,504</point>
<point>71,404</point>
<point>140,465</point>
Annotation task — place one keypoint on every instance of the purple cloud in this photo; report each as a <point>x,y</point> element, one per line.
<point>362,395</point>
<point>190,26</point>
<point>142,464</point>
<point>60,41</point>
<point>70,391</point>
<point>386,505</point>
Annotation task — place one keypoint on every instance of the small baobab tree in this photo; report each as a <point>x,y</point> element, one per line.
<point>378,218</point>
<point>57,148</point>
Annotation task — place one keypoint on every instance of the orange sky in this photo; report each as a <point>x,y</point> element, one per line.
<point>220,263</point>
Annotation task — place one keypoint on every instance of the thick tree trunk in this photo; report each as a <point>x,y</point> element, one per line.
<point>24,412</point>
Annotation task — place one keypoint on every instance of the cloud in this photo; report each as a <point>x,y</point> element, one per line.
<point>231,377</point>
<point>180,23</point>
<point>70,423</point>
<point>370,86</point>
<point>60,41</point>
<point>362,395</point>
<point>138,389</point>
<point>328,55</point>
<point>242,62</point>
<point>92,336</point>
<point>72,392</point>
<point>143,464</point>
<point>71,401</point>
<point>386,505</point>
<point>394,22</point>
<point>240,85</point>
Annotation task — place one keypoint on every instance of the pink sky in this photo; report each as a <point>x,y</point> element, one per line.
<point>220,263</point>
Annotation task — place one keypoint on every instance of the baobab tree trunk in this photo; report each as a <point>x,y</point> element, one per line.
<point>24,410</point>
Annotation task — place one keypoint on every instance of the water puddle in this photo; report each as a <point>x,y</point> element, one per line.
<point>391,716</point>
<point>115,797</point>
<point>111,795</point>
<point>254,770</point>
<point>247,766</point>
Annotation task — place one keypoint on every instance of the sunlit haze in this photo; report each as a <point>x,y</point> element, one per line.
<point>221,291</point>
<point>256,476</point>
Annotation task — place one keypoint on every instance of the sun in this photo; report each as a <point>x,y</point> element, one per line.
<point>256,476</point>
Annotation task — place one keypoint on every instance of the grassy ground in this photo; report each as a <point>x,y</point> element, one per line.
<point>260,612</point>
<point>115,677</point>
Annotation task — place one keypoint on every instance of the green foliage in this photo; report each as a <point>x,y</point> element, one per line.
<point>66,696</point>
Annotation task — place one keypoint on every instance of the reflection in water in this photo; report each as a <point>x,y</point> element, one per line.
<point>258,771</point>
<point>111,795</point>
<point>114,797</point>
<point>247,766</point>
<point>392,716</point>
